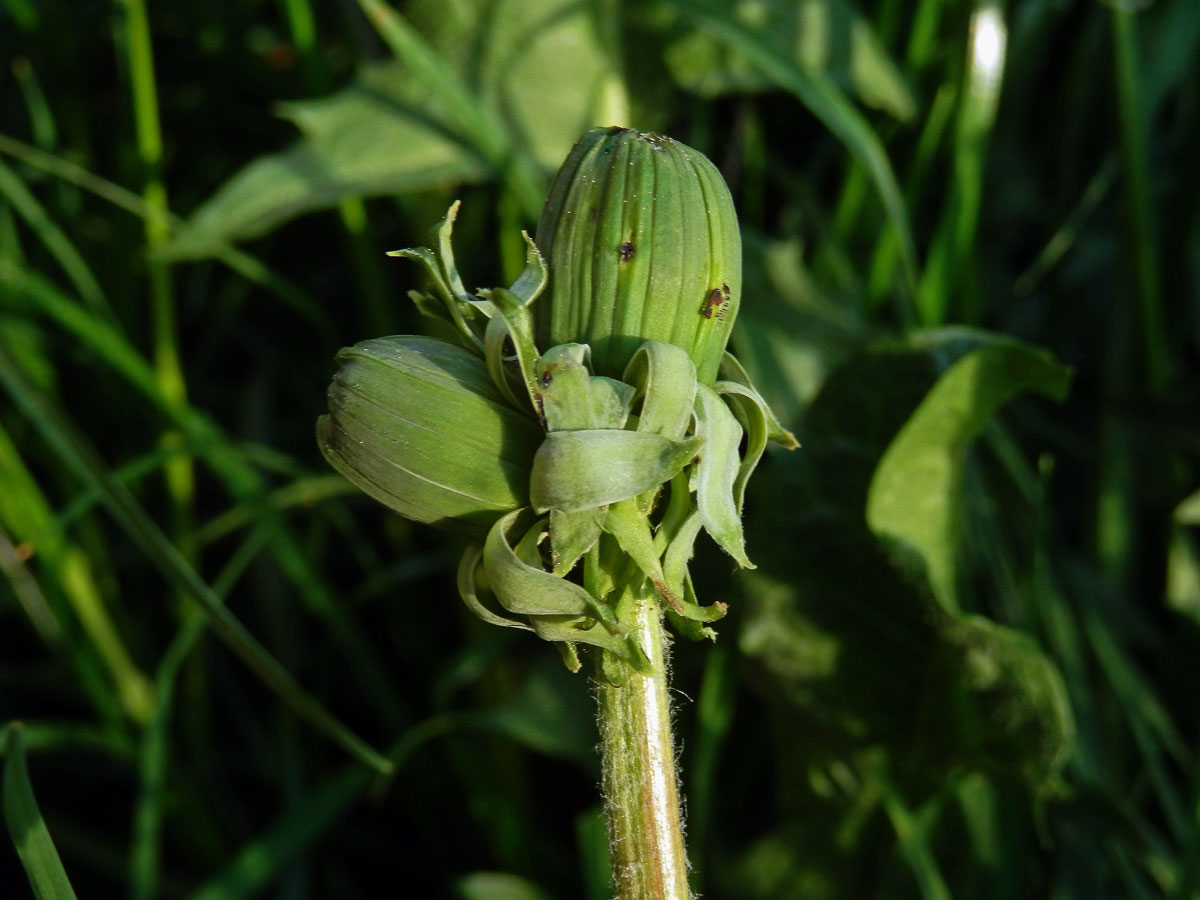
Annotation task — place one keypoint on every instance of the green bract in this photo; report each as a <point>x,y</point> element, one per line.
<point>598,459</point>
<point>418,424</point>
<point>642,243</point>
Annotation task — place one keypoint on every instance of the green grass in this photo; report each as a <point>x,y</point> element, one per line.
<point>965,666</point>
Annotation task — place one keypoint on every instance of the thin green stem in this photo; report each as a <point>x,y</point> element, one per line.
<point>139,54</point>
<point>1135,164</point>
<point>640,790</point>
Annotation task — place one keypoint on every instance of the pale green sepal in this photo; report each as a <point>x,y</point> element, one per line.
<point>455,305</point>
<point>679,551</point>
<point>691,623</point>
<point>494,339</point>
<point>531,591</point>
<point>532,280</point>
<point>609,401</point>
<point>752,413</point>
<point>574,630</point>
<point>575,470</point>
<point>575,400</point>
<point>665,378</point>
<point>731,370</point>
<point>562,379</point>
<point>572,534</point>
<point>679,508</point>
<point>716,473</point>
<point>675,562</point>
<point>519,322</point>
<point>570,656</point>
<point>690,628</point>
<point>599,567</point>
<point>697,613</point>
<point>468,566</point>
<point>429,306</point>
<point>444,231</point>
<point>626,523</point>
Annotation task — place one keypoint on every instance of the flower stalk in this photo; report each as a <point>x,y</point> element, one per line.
<point>587,445</point>
<point>641,795</point>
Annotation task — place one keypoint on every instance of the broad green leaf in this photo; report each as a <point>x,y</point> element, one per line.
<point>846,629</point>
<point>914,494</point>
<point>377,136</point>
<point>26,826</point>
<point>510,50</point>
<point>826,36</point>
<point>576,470</point>
<point>717,472</point>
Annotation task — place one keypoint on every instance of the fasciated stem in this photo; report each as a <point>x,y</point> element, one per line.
<point>640,790</point>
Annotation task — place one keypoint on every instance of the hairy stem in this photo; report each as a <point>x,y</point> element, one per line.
<point>641,795</point>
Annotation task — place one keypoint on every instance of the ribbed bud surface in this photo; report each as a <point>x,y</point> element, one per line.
<point>418,424</point>
<point>642,243</point>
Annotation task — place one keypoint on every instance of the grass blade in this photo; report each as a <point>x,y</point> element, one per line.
<point>53,238</point>
<point>1134,133</point>
<point>27,828</point>
<point>206,440</point>
<point>827,102</point>
<point>77,454</point>
<point>949,260</point>
<point>250,268</point>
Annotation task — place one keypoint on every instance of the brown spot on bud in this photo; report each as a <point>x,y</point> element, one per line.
<point>626,250</point>
<point>714,302</point>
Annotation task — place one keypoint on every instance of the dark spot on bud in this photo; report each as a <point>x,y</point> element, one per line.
<point>715,302</point>
<point>626,250</point>
<point>546,378</point>
<point>725,289</point>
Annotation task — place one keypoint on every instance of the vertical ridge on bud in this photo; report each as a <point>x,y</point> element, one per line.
<point>641,240</point>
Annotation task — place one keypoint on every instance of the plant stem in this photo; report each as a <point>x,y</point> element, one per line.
<point>135,40</point>
<point>641,795</point>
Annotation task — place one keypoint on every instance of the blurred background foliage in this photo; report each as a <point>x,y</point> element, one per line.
<point>967,663</point>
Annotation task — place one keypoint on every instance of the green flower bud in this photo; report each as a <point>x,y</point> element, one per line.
<point>419,425</point>
<point>642,243</point>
